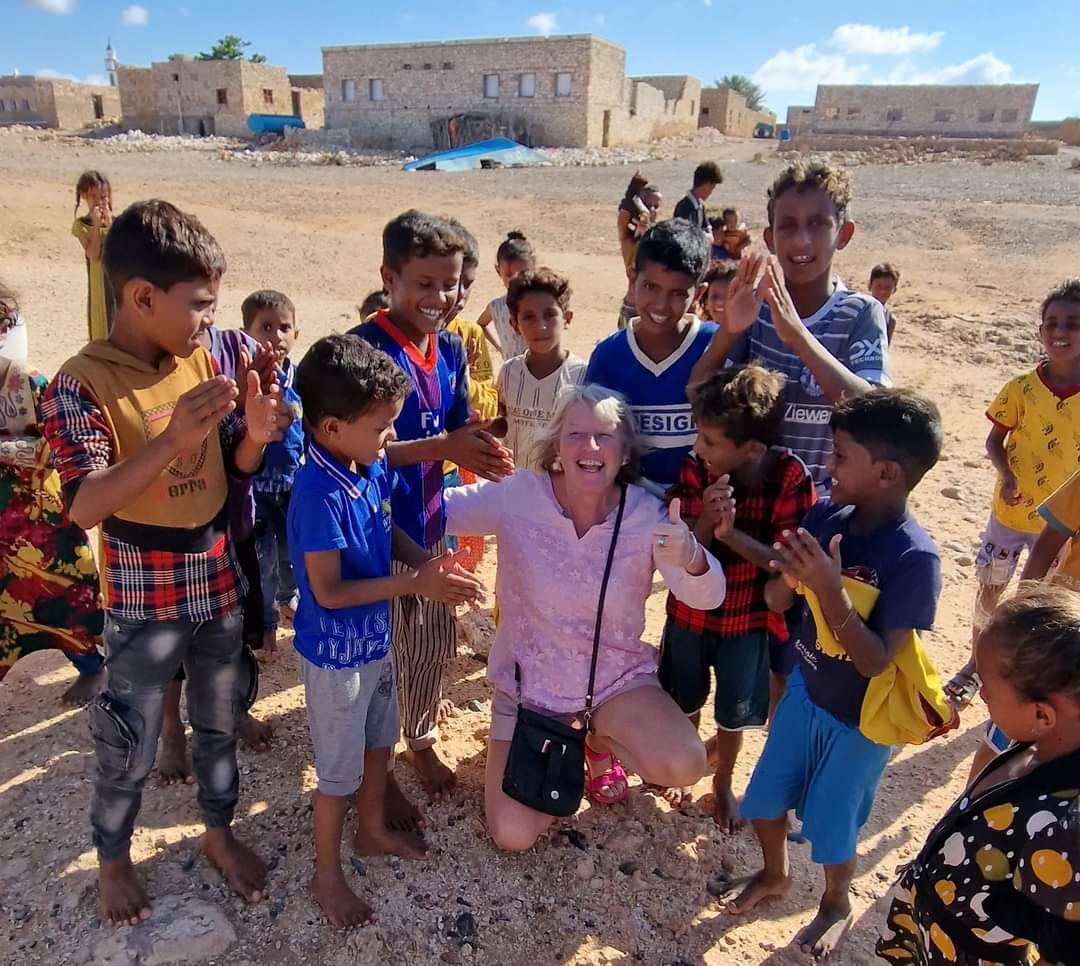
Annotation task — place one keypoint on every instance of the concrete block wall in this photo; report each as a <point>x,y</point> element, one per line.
<point>681,92</point>
<point>422,82</point>
<point>964,111</point>
<point>138,99</point>
<point>63,104</point>
<point>799,118</point>
<point>312,104</point>
<point>21,102</point>
<point>727,111</point>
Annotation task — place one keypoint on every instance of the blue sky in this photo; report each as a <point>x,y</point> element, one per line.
<point>788,46</point>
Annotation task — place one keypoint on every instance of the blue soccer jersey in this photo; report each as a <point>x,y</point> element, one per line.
<point>656,392</point>
<point>438,403</point>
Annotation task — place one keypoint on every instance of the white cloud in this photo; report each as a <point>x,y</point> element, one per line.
<point>47,73</point>
<point>135,16</point>
<point>982,69</point>
<point>862,38</point>
<point>804,68</point>
<point>543,23</point>
<point>58,7</point>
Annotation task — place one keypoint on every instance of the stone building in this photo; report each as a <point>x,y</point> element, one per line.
<point>558,91</point>
<point>968,111</point>
<point>50,102</point>
<point>727,111</point>
<point>204,97</point>
<point>800,117</point>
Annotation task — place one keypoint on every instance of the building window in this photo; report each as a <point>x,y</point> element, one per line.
<point>894,114</point>
<point>222,96</point>
<point>986,117</point>
<point>268,96</point>
<point>348,90</point>
<point>406,66</point>
<point>491,85</point>
<point>526,85</point>
<point>704,112</point>
<point>832,113</point>
<point>1010,115</point>
<point>563,84</point>
<point>427,66</point>
<point>176,78</point>
<point>447,65</point>
<point>854,111</point>
<point>375,90</point>
<point>942,116</point>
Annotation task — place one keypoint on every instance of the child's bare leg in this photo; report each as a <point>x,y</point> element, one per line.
<point>727,745</point>
<point>373,835</point>
<point>173,760</point>
<point>329,887</point>
<point>774,879</point>
<point>828,928</point>
<point>402,815</point>
<point>91,680</point>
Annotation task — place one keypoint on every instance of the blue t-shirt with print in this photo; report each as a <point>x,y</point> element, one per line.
<point>281,459</point>
<point>333,508</point>
<point>656,392</point>
<point>900,559</point>
<point>851,327</point>
<point>439,402</point>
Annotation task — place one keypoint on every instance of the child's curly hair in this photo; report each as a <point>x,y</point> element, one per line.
<point>800,175</point>
<point>1037,633</point>
<point>538,280</point>
<point>1067,291</point>
<point>743,402</point>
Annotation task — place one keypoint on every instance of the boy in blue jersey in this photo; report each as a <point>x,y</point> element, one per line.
<point>801,320</point>
<point>421,273</point>
<point>650,361</point>
<point>342,539</point>
<point>816,759</point>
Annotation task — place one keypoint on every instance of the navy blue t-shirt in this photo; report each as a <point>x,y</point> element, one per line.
<point>333,508</point>
<point>281,459</point>
<point>900,559</point>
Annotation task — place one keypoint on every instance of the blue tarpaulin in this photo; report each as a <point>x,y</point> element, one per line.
<point>497,153</point>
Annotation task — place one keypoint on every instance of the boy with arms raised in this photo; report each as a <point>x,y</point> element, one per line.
<point>341,539</point>
<point>421,272</point>
<point>143,435</point>
<point>650,362</point>
<point>829,341</point>
<point>816,759</point>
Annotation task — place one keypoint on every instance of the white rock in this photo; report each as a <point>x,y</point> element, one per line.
<point>181,930</point>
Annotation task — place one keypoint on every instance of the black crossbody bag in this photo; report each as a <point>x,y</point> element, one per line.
<point>545,769</point>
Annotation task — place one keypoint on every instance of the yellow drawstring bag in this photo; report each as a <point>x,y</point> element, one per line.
<point>905,704</point>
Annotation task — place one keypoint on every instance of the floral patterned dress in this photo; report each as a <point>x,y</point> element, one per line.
<point>998,880</point>
<point>48,579</point>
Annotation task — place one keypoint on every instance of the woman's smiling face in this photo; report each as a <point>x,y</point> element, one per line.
<point>591,448</point>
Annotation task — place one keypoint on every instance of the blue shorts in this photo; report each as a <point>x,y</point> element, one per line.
<point>824,769</point>
<point>996,738</point>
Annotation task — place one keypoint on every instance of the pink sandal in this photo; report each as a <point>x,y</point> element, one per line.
<point>614,775</point>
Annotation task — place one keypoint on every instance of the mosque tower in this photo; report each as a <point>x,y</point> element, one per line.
<point>110,63</point>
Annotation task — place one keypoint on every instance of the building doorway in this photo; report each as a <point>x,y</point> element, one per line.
<point>605,140</point>
<point>99,106</point>
<point>296,103</point>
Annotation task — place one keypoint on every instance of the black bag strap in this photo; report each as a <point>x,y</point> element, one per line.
<point>599,615</point>
<point>600,608</point>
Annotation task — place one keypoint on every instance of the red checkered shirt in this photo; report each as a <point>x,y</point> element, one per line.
<point>777,503</point>
<point>141,583</point>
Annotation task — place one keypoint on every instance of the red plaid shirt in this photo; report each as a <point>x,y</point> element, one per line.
<point>777,503</point>
<point>197,582</point>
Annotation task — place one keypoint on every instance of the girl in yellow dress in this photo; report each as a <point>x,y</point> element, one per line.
<point>94,189</point>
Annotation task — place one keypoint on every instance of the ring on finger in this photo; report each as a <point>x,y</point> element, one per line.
<point>661,540</point>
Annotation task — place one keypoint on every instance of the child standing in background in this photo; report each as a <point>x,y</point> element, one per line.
<point>270,319</point>
<point>94,188</point>
<point>514,256</point>
<point>884,281</point>
<point>713,299</point>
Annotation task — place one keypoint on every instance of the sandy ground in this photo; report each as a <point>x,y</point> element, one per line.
<point>979,245</point>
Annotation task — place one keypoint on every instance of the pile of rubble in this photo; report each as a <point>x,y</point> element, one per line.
<point>140,141</point>
<point>273,155</point>
<point>852,151</point>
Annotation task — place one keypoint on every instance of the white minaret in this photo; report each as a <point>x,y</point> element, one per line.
<point>110,63</point>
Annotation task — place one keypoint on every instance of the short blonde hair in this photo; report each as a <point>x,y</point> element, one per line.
<point>609,405</point>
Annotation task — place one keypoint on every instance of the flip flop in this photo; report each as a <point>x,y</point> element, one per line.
<point>963,687</point>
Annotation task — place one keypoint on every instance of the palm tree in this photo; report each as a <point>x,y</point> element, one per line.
<point>742,84</point>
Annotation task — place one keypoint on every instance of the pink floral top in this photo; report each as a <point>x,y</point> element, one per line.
<point>548,584</point>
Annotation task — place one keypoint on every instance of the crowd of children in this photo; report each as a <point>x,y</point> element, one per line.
<point>234,489</point>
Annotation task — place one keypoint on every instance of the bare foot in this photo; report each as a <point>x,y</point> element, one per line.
<point>254,733</point>
<point>675,797</point>
<point>726,809</point>
<point>122,899</point>
<point>446,707</point>
<point>401,814</point>
<point>173,760</point>
<point>756,889</point>
<point>234,860</point>
<point>438,780</point>
<point>85,689</point>
<point>409,845</point>
<point>343,907</point>
<point>269,646</point>
<point>825,933</point>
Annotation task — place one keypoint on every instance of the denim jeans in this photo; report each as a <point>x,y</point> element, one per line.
<point>142,659</point>
<point>275,570</point>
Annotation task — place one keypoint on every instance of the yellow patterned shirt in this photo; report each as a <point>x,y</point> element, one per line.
<point>1042,445</point>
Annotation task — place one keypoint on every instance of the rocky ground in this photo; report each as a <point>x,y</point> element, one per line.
<point>978,246</point>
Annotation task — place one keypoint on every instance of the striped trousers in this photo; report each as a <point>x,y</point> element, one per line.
<point>424,640</point>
